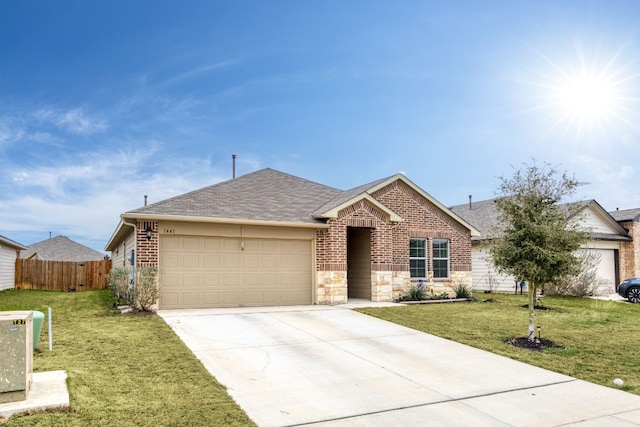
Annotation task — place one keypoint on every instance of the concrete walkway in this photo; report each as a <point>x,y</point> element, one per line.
<point>331,366</point>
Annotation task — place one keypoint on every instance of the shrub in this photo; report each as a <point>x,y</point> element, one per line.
<point>462,291</point>
<point>119,284</point>
<point>145,290</point>
<point>583,284</point>
<point>140,294</point>
<point>415,293</point>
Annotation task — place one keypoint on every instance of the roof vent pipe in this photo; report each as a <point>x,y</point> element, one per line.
<point>233,158</point>
<point>470,201</point>
<point>145,200</point>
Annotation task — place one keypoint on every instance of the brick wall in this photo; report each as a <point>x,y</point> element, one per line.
<point>147,255</point>
<point>390,241</point>
<point>424,220</point>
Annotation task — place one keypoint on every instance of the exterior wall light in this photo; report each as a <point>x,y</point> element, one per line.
<point>148,231</point>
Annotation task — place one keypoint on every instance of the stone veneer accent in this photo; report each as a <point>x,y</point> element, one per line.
<point>331,287</point>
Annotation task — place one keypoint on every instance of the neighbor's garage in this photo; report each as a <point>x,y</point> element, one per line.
<point>219,271</point>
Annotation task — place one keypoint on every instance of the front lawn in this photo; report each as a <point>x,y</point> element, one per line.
<point>123,370</point>
<point>601,338</point>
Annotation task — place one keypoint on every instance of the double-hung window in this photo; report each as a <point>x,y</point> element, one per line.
<point>418,258</point>
<point>440,258</point>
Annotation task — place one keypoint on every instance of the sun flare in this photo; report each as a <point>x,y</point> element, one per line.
<point>586,97</point>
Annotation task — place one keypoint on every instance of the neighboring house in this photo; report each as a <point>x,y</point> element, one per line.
<point>269,238</point>
<point>629,251</point>
<point>9,252</point>
<point>607,238</point>
<point>61,248</point>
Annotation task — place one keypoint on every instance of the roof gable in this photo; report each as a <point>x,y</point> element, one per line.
<point>598,221</point>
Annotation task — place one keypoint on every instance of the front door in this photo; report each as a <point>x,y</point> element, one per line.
<point>359,262</point>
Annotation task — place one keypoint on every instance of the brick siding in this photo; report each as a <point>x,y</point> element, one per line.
<point>390,241</point>
<point>147,255</point>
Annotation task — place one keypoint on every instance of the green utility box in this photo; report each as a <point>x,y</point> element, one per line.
<point>38,320</point>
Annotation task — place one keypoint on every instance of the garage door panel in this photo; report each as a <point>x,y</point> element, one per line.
<point>190,261</point>
<point>191,243</point>
<point>252,261</point>
<point>170,260</point>
<point>230,261</point>
<point>190,299</point>
<point>169,299</point>
<point>198,271</point>
<point>212,299</point>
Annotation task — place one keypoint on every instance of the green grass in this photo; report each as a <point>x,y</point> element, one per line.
<point>601,338</point>
<point>123,370</point>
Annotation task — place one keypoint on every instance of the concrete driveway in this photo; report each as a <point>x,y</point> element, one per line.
<point>331,366</point>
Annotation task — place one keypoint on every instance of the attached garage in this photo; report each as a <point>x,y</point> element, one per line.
<point>269,238</point>
<point>198,271</point>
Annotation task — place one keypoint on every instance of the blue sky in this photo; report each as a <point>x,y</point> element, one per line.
<point>102,102</point>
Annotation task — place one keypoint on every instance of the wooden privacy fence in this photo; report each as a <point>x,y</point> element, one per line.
<point>62,275</point>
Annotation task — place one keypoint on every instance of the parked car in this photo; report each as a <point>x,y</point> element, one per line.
<point>630,289</point>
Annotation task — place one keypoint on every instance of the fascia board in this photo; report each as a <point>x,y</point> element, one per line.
<point>211,220</point>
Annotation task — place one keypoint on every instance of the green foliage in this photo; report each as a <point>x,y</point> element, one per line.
<point>537,242</point>
<point>463,291</point>
<point>583,284</point>
<point>415,293</point>
<point>441,295</point>
<point>119,279</point>
<point>145,292</point>
<point>140,294</point>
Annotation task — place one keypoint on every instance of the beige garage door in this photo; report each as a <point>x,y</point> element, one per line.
<point>197,272</point>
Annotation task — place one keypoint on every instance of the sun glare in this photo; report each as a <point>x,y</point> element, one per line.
<point>584,97</point>
<point>587,98</point>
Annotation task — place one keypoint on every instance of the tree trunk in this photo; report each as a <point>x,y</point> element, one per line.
<point>532,308</point>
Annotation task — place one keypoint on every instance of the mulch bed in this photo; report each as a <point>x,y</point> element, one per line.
<point>537,344</point>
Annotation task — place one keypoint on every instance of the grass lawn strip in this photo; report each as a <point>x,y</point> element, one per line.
<point>600,338</point>
<point>124,370</point>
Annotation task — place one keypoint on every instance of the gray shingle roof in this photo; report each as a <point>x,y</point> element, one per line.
<point>61,248</point>
<point>484,216</point>
<point>626,215</point>
<point>265,195</point>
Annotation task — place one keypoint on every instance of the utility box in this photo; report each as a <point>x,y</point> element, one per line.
<point>16,355</point>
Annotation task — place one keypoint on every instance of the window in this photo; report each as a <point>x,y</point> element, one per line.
<point>440,259</point>
<point>418,258</point>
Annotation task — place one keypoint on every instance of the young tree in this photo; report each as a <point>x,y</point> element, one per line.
<point>537,243</point>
